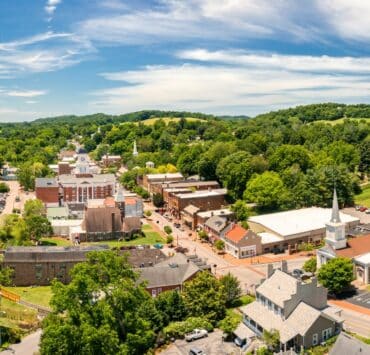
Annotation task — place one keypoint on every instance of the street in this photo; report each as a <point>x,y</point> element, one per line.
<point>356,322</point>
<point>13,193</point>
<point>28,346</point>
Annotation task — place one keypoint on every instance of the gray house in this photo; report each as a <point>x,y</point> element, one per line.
<point>347,344</point>
<point>297,309</point>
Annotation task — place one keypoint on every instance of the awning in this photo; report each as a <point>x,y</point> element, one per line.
<point>243,332</point>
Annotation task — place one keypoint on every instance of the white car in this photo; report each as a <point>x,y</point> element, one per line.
<point>196,334</point>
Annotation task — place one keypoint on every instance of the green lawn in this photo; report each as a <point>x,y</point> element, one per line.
<point>151,237</point>
<point>39,295</point>
<point>55,241</point>
<point>15,314</point>
<point>364,197</point>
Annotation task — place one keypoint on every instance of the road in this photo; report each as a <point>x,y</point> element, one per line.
<point>13,193</point>
<point>356,322</point>
<point>28,346</point>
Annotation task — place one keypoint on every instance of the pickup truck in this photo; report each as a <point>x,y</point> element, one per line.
<point>196,334</point>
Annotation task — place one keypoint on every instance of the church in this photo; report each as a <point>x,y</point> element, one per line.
<point>337,244</point>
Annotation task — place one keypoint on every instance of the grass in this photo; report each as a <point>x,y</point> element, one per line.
<point>55,241</point>
<point>17,315</point>
<point>151,237</point>
<point>167,120</point>
<point>39,295</point>
<point>364,197</point>
<point>340,120</point>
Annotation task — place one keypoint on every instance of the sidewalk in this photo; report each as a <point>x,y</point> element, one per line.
<point>350,306</point>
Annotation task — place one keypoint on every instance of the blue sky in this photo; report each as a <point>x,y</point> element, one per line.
<point>215,56</point>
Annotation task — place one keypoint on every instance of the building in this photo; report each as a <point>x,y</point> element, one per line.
<point>186,185</point>
<point>286,230</point>
<point>337,245</point>
<point>71,154</point>
<point>135,153</point>
<point>214,227</point>
<point>297,309</point>
<point>9,173</point>
<point>347,344</point>
<point>64,227</point>
<point>152,179</point>
<point>240,242</point>
<point>149,165</point>
<point>145,257</point>
<point>111,161</point>
<point>64,168</point>
<point>83,187</point>
<point>203,217</point>
<point>204,200</point>
<point>40,265</point>
<point>47,190</point>
<point>171,274</point>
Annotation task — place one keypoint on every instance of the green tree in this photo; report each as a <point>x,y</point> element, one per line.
<point>158,200</point>
<point>4,187</point>
<point>169,239</point>
<point>102,310</point>
<point>204,296</point>
<point>232,289</point>
<point>38,227</point>
<point>310,265</point>
<point>337,274</point>
<point>167,229</point>
<point>287,155</point>
<point>171,305</point>
<point>33,208</point>
<point>203,235</point>
<point>267,190</point>
<point>240,209</point>
<point>6,274</point>
<point>219,244</point>
<point>271,339</point>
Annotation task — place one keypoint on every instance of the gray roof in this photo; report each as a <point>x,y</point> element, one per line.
<point>137,257</point>
<point>57,212</point>
<point>46,182</point>
<point>100,178</point>
<point>279,287</point>
<point>191,209</point>
<point>347,344</point>
<point>216,223</point>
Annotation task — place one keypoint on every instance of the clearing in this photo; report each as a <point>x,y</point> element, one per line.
<point>364,197</point>
<point>167,120</point>
<point>341,120</point>
<point>39,295</point>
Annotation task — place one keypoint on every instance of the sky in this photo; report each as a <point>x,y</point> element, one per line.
<point>234,57</point>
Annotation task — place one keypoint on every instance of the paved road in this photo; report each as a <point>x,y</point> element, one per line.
<point>356,322</point>
<point>13,193</point>
<point>28,346</point>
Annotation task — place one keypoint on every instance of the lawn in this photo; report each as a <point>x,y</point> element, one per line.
<point>16,315</point>
<point>364,197</point>
<point>55,241</point>
<point>151,237</point>
<point>39,295</point>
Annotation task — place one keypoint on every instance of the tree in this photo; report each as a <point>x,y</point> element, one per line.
<point>4,187</point>
<point>287,155</point>
<point>232,289</point>
<point>33,207</point>
<point>171,305</point>
<point>240,209</point>
<point>219,244</point>
<point>38,227</point>
<point>203,235</point>
<point>158,200</point>
<point>310,265</point>
<point>267,190</point>
<point>102,311</point>
<point>169,239</point>
<point>204,296</point>
<point>6,274</point>
<point>26,177</point>
<point>337,274</point>
<point>271,339</point>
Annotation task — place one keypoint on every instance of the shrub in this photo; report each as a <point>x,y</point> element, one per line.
<point>4,187</point>
<point>310,265</point>
<point>179,329</point>
<point>230,322</point>
<point>219,244</point>
<point>203,235</point>
<point>169,239</point>
<point>305,247</point>
<point>167,229</point>
<point>148,213</point>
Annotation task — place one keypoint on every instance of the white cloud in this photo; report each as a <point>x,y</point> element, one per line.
<point>50,7</point>
<point>26,93</point>
<point>253,83</point>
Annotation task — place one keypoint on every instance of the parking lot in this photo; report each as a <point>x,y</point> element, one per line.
<point>212,345</point>
<point>361,299</point>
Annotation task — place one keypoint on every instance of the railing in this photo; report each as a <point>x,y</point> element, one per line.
<point>9,295</point>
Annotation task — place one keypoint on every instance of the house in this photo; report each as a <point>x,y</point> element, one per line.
<point>297,309</point>
<point>9,173</point>
<point>203,217</point>
<point>189,216</point>
<point>171,274</point>
<point>241,242</point>
<point>215,226</point>
<point>347,344</point>
<point>40,265</point>
<point>286,230</point>
<point>205,200</point>
<point>338,245</point>
<point>64,168</point>
<point>47,190</point>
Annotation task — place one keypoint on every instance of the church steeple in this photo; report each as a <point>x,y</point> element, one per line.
<point>135,152</point>
<point>119,200</point>
<point>335,217</point>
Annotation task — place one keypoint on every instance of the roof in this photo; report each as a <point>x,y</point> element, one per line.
<point>99,178</point>
<point>243,332</point>
<point>363,259</point>
<point>191,209</point>
<point>279,287</point>
<point>131,201</point>
<point>216,223</point>
<point>102,220</point>
<point>46,182</point>
<point>66,222</point>
<point>57,212</point>
<point>167,176</point>
<point>290,223</point>
<point>236,233</point>
<point>267,238</point>
<point>346,344</point>
<point>221,212</point>
<point>50,253</point>
<point>147,256</point>
<point>355,247</point>
<point>182,184</point>
<point>202,193</point>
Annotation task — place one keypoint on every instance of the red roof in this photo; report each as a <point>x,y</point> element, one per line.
<point>130,201</point>
<point>236,233</point>
<point>109,202</point>
<point>355,247</point>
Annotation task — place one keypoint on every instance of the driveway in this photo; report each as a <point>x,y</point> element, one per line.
<point>212,345</point>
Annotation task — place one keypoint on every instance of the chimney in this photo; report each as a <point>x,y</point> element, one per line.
<point>270,270</point>
<point>314,281</point>
<point>284,266</point>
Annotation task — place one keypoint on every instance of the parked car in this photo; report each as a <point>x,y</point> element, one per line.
<point>196,351</point>
<point>158,246</point>
<point>363,209</point>
<point>297,273</point>
<point>17,199</point>
<point>357,207</point>
<point>240,342</point>
<point>196,334</point>
<point>181,250</point>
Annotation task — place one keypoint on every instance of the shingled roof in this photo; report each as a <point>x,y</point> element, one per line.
<point>102,220</point>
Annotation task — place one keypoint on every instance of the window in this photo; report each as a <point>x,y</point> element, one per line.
<point>326,334</point>
<point>38,270</point>
<point>276,309</point>
<point>315,339</point>
<point>154,292</point>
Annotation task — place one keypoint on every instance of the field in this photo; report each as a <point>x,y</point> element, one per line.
<point>151,237</point>
<point>364,197</point>
<point>39,295</point>
<point>167,120</point>
<point>14,315</point>
<point>55,241</point>
<point>340,120</point>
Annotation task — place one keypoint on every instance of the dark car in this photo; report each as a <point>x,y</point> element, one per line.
<point>196,351</point>
<point>297,273</point>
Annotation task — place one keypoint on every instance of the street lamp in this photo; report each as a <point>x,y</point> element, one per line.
<point>215,266</point>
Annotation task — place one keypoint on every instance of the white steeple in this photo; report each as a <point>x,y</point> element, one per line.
<point>119,197</point>
<point>336,229</point>
<point>135,152</point>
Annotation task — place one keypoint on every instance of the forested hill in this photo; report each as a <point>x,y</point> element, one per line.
<point>315,112</point>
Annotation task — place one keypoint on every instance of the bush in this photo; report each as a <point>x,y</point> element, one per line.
<point>169,239</point>
<point>219,244</point>
<point>310,265</point>
<point>203,235</point>
<point>167,229</point>
<point>305,247</point>
<point>230,322</point>
<point>148,213</point>
<point>179,329</point>
<point>4,187</point>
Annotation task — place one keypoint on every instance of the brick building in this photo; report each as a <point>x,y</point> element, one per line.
<point>152,179</point>
<point>205,200</point>
<point>111,161</point>
<point>83,187</point>
<point>47,190</point>
<point>185,185</point>
<point>40,265</point>
<point>64,168</point>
